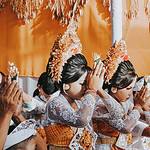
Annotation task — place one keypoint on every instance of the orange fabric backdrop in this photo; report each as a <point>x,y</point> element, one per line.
<point>137,36</point>
<point>28,46</point>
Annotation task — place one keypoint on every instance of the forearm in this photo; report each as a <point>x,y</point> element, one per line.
<point>102,94</point>
<point>60,112</point>
<point>4,126</point>
<point>113,107</point>
<point>146,117</point>
<point>87,107</point>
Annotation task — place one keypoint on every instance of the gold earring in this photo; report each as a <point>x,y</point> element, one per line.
<point>114,90</point>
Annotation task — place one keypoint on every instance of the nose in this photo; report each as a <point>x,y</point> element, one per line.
<point>84,88</point>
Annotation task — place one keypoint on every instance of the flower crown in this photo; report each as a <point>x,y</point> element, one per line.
<point>64,47</point>
<point>116,54</point>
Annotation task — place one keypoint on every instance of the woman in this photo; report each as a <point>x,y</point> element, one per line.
<point>114,126</point>
<point>70,113</point>
<point>35,108</point>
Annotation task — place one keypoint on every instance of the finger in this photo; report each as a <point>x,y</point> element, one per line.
<point>102,73</point>
<point>140,92</point>
<point>5,97</point>
<point>100,69</point>
<point>141,89</point>
<point>20,100</point>
<point>94,65</point>
<point>14,91</point>
<point>143,94</point>
<point>6,86</point>
<point>148,98</point>
<point>96,68</point>
<point>10,88</point>
<point>18,96</point>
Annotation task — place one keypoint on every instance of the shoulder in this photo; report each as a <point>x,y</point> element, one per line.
<point>58,101</point>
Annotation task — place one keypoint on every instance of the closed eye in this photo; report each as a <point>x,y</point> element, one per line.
<point>129,88</point>
<point>83,84</point>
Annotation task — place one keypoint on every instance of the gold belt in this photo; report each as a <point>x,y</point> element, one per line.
<point>111,140</point>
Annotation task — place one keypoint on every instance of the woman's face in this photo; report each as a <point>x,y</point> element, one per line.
<point>77,89</point>
<point>124,94</point>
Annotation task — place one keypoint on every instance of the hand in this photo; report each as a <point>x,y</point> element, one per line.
<point>26,98</point>
<point>10,98</point>
<point>146,106</point>
<point>18,110</point>
<point>96,77</point>
<point>140,97</point>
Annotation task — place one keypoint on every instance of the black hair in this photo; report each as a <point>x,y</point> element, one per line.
<point>2,74</point>
<point>123,77</point>
<point>36,93</point>
<point>46,83</point>
<point>75,67</point>
<point>2,84</point>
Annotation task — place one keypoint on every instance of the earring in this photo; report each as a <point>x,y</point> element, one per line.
<point>114,90</point>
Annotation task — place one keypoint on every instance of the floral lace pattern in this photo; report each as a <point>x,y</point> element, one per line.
<point>59,110</point>
<point>75,143</point>
<point>117,115</point>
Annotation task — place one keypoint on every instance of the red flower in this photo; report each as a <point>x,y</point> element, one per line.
<point>126,57</point>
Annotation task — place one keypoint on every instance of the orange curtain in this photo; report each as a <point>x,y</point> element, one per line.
<point>28,46</point>
<point>137,36</point>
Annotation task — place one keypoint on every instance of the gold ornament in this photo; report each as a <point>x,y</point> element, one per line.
<point>64,47</point>
<point>116,54</point>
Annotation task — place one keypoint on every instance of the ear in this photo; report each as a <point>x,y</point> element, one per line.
<point>114,90</point>
<point>38,85</point>
<point>66,87</point>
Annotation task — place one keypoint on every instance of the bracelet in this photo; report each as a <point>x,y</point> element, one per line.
<point>91,91</point>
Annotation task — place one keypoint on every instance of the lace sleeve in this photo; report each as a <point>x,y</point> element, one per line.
<point>110,106</point>
<point>114,108</point>
<point>111,110</point>
<point>60,111</point>
<point>139,128</point>
<point>147,117</point>
<point>126,124</point>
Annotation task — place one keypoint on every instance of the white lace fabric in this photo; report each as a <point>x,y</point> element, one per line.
<point>58,110</point>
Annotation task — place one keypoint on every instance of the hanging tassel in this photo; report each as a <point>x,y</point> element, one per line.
<point>65,10</point>
<point>147,11</point>
<point>103,8</point>
<point>107,3</point>
<point>133,9</point>
<point>26,9</point>
<point>2,3</point>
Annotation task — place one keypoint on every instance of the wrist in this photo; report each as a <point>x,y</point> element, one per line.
<point>92,92</point>
<point>103,94</point>
<point>91,89</point>
<point>6,114</point>
<point>138,107</point>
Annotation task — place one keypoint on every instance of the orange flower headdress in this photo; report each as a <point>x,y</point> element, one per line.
<point>64,47</point>
<point>116,54</point>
